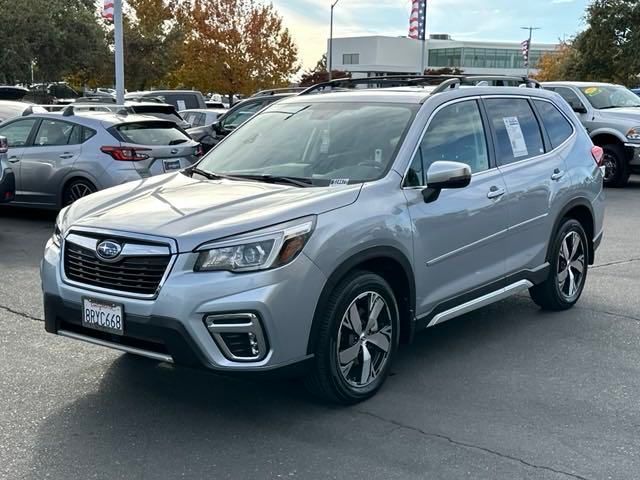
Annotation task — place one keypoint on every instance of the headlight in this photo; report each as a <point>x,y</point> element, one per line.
<point>58,229</point>
<point>634,134</point>
<point>257,251</point>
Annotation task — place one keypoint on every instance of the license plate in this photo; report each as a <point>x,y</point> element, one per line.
<point>170,165</point>
<point>104,316</point>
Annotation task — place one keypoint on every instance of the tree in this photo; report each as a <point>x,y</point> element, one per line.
<point>152,39</point>
<point>559,64</point>
<point>61,36</point>
<point>319,74</point>
<point>233,46</point>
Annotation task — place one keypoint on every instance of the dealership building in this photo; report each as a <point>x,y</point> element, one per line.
<point>377,55</point>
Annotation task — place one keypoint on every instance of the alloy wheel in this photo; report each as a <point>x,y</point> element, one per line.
<point>364,340</point>
<point>76,191</point>
<point>571,265</point>
<point>610,167</point>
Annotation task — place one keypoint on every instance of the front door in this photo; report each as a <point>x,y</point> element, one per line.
<point>18,133</point>
<point>459,238</point>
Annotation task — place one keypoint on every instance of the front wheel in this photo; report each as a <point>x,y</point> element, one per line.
<point>616,167</point>
<point>77,189</point>
<point>569,264</point>
<point>357,339</point>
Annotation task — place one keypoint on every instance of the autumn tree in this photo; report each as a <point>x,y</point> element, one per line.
<point>319,73</point>
<point>233,46</point>
<point>560,64</point>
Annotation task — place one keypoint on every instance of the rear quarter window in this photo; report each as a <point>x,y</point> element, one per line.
<point>558,128</point>
<point>151,133</point>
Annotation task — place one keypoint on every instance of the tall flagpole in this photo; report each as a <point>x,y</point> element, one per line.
<point>119,51</point>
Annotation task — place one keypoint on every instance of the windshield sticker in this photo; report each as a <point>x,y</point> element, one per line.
<point>518,145</point>
<point>182,105</point>
<point>378,155</point>
<point>324,141</point>
<point>591,91</point>
<point>338,181</point>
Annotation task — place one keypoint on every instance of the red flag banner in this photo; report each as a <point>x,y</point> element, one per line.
<point>107,10</point>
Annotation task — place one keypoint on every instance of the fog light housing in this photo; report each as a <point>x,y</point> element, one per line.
<point>238,335</point>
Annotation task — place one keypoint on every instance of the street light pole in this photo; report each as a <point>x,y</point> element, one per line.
<point>330,63</point>
<point>531,29</point>
<point>119,51</point>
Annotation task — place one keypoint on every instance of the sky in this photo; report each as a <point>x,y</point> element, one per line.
<point>308,20</point>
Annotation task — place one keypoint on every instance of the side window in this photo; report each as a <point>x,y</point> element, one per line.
<point>87,133</point>
<point>570,97</point>
<point>17,132</point>
<point>456,134</point>
<point>76,135</point>
<point>243,113</point>
<point>53,132</point>
<point>517,131</point>
<point>557,126</point>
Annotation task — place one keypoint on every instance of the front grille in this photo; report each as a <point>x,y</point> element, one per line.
<point>140,275</point>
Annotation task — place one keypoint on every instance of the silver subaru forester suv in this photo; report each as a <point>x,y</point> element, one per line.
<point>330,228</point>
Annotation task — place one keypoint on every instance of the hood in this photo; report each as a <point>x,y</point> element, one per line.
<point>624,113</point>
<point>194,211</point>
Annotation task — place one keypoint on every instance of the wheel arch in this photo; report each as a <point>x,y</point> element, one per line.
<point>71,176</point>
<point>580,209</point>
<point>391,264</point>
<point>606,136</point>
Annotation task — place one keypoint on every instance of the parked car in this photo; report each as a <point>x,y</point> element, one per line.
<point>10,109</point>
<point>330,227</point>
<point>57,93</point>
<point>163,111</point>
<point>210,136</point>
<point>636,91</point>
<point>611,115</point>
<point>181,99</point>
<point>7,177</point>
<point>58,158</point>
<point>8,92</point>
<point>200,118</point>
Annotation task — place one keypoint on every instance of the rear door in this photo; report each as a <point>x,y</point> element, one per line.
<point>56,147</point>
<point>536,177</point>
<point>167,147</point>
<point>19,135</point>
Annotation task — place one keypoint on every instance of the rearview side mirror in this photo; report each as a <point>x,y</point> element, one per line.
<point>579,108</point>
<point>444,174</point>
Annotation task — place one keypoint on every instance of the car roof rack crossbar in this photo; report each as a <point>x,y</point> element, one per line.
<point>442,82</point>
<point>274,91</point>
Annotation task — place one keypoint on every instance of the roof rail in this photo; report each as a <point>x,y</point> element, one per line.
<point>442,82</point>
<point>273,91</point>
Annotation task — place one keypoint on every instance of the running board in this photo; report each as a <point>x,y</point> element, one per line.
<point>116,346</point>
<point>482,301</point>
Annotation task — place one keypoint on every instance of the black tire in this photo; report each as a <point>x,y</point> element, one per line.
<point>77,189</point>
<point>616,166</point>
<point>554,294</point>
<point>326,379</point>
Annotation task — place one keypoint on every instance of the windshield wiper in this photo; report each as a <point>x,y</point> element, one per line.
<point>297,181</point>
<point>209,175</point>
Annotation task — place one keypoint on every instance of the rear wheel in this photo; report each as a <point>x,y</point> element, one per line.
<point>616,167</point>
<point>357,340</point>
<point>77,189</point>
<point>569,264</point>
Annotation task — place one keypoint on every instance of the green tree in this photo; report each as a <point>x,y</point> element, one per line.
<point>319,74</point>
<point>62,37</point>
<point>607,50</point>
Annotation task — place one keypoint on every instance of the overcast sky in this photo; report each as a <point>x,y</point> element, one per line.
<point>308,20</point>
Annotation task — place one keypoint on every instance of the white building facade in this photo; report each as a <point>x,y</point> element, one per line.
<point>377,55</point>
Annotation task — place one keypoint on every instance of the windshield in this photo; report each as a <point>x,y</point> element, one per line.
<point>609,96</point>
<point>321,142</point>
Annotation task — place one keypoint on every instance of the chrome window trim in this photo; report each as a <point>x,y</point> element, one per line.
<point>169,242</point>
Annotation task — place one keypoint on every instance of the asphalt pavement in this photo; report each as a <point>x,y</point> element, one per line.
<point>506,392</point>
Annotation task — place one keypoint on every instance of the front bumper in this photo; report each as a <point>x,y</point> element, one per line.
<point>7,186</point>
<point>171,326</point>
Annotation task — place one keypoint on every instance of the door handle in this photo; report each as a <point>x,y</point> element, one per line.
<point>557,174</point>
<point>66,155</point>
<point>13,159</point>
<point>495,192</point>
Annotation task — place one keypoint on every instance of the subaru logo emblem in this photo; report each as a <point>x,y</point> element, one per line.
<point>108,249</point>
